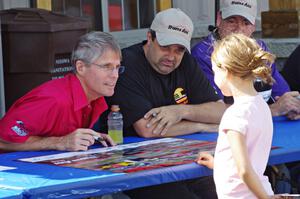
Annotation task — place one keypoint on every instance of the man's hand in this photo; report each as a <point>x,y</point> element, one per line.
<point>105,140</point>
<point>209,128</point>
<point>287,103</point>
<point>205,158</point>
<point>163,117</point>
<point>293,115</point>
<point>81,139</point>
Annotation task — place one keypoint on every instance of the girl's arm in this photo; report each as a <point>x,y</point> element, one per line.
<point>243,164</point>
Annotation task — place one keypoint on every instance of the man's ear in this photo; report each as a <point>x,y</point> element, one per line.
<point>253,28</point>
<point>219,18</point>
<point>149,37</point>
<point>80,65</point>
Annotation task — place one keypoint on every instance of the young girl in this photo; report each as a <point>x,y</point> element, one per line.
<point>245,131</point>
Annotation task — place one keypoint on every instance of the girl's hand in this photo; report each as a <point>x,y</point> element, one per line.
<point>206,159</point>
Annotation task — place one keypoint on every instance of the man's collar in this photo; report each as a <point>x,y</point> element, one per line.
<point>79,97</point>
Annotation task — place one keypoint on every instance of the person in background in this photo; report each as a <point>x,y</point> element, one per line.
<point>163,92</point>
<point>238,16</point>
<point>58,115</point>
<point>291,70</point>
<point>246,128</point>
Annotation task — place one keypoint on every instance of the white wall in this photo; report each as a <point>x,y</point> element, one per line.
<point>7,4</point>
<point>262,5</point>
<point>201,12</point>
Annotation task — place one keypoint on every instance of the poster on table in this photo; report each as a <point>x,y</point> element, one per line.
<point>128,158</point>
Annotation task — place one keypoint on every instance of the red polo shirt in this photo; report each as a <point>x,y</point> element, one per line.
<point>56,108</point>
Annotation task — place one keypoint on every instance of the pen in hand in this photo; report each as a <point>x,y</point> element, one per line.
<point>98,138</point>
<point>104,139</point>
<point>101,140</point>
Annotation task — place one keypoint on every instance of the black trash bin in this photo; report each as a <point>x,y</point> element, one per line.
<point>37,46</point>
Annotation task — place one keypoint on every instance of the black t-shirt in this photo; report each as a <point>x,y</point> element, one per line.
<point>140,88</point>
<point>291,70</point>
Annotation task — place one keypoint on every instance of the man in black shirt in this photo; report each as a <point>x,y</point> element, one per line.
<point>163,92</point>
<point>291,70</point>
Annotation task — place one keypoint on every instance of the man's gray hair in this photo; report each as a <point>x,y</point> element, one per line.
<point>92,45</point>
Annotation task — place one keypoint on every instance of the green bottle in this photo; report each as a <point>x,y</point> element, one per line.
<point>115,124</point>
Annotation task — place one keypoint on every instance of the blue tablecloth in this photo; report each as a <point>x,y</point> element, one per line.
<point>47,181</point>
<point>10,194</point>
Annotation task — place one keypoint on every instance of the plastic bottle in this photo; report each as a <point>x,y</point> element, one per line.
<point>115,124</point>
<point>264,89</point>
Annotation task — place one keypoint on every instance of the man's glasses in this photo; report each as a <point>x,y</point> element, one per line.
<point>109,68</point>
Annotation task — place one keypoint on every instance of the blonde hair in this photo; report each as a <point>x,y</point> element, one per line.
<point>243,57</point>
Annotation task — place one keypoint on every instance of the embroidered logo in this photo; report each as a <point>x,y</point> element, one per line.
<point>19,128</point>
<point>241,3</point>
<point>179,29</point>
<point>180,96</point>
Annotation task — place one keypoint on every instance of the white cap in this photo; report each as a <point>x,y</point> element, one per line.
<point>244,8</point>
<point>172,26</point>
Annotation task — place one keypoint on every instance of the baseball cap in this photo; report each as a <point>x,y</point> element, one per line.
<point>244,8</point>
<point>172,26</point>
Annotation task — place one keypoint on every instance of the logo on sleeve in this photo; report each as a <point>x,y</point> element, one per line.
<point>180,96</point>
<point>19,128</point>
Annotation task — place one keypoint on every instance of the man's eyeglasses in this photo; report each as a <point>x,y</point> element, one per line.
<point>109,68</point>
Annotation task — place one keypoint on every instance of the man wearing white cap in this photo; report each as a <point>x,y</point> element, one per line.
<point>163,92</point>
<point>238,16</point>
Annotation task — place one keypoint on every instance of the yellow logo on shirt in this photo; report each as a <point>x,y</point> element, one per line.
<point>180,96</point>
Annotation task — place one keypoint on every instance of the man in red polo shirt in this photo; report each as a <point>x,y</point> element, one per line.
<point>58,115</point>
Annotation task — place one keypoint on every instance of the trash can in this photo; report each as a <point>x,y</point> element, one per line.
<point>37,46</point>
